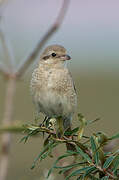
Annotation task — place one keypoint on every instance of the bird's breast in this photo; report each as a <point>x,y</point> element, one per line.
<point>54,92</point>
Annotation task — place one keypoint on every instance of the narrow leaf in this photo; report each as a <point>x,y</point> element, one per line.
<point>114,137</point>
<point>92,121</point>
<point>116,163</point>
<point>88,171</point>
<point>93,144</point>
<point>77,172</point>
<point>84,155</point>
<point>65,168</point>
<point>43,154</point>
<point>92,177</point>
<point>74,131</point>
<point>25,138</point>
<point>82,126</point>
<point>108,162</point>
<point>94,150</point>
<point>104,178</point>
<point>69,153</point>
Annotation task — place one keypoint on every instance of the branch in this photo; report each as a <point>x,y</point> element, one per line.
<point>6,137</point>
<point>50,32</point>
<point>3,69</point>
<point>12,129</point>
<point>7,50</point>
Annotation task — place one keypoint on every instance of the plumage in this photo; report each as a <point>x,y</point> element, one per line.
<point>52,86</point>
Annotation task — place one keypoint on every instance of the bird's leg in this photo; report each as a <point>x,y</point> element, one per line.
<point>44,123</point>
<point>45,119</point>
<point>60,127</point>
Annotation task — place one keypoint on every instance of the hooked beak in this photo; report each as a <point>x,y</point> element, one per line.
<point>65,57</point>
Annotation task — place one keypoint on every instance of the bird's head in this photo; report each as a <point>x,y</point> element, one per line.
<point>54,55</point>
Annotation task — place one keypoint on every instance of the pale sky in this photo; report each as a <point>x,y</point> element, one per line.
<point>90,30</point>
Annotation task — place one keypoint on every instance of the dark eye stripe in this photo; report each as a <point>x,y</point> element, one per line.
<point>46,57</point>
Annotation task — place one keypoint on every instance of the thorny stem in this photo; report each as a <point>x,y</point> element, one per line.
<point>6,137</point>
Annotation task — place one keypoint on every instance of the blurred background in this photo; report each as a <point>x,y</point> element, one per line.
<point>90,33</point>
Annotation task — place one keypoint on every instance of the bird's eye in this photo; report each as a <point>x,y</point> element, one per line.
<point>53,54</point>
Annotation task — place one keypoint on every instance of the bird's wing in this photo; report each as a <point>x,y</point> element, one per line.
<point>73,82</point>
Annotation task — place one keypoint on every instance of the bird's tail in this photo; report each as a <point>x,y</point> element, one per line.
<point>68,127</point>
<point>67,123</point>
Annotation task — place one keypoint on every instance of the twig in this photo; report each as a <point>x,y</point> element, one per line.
<point>50,32</point>
<point>10,92</point>
<point>3,69</point>
<point>9,58</point>
<point>12,129</point>
<point>6,138</point>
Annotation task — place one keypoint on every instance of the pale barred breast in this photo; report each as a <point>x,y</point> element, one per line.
<point>63,84</point>
<point>38,80</point>
<point>58,80</point>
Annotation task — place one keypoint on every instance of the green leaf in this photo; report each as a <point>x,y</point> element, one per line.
<point>93,144</point>
<point>96,157</point>
<point>92,121</point>
<point>88,171</point>
<point>92,177</point>
<point>84,155</point>
<point>82,126</point>
<point>74,131</point>
<point>105,178</point>
<point>25,138</point>
<point>116,173</point>
<point>30,130</point>
<point>69,153</point>
<point>46,151</point>
<point>80,178</point>
<point>102,137</point>
<point>116,152</point>
<point>80,116</point>
<point>116,163</point>
<point>94,150</point>
<point>68,166</point>
<point>33,128</point>
<point>114,137</point>
<point>108,162</point>
<point>77,172</point>
<point>65,168</point>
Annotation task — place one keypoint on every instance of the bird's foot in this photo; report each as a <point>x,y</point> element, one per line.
<point>44,123</point>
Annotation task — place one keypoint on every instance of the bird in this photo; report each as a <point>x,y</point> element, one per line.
<point>52,87</point>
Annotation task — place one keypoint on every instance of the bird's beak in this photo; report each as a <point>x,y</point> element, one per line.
<point>65,57</point>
